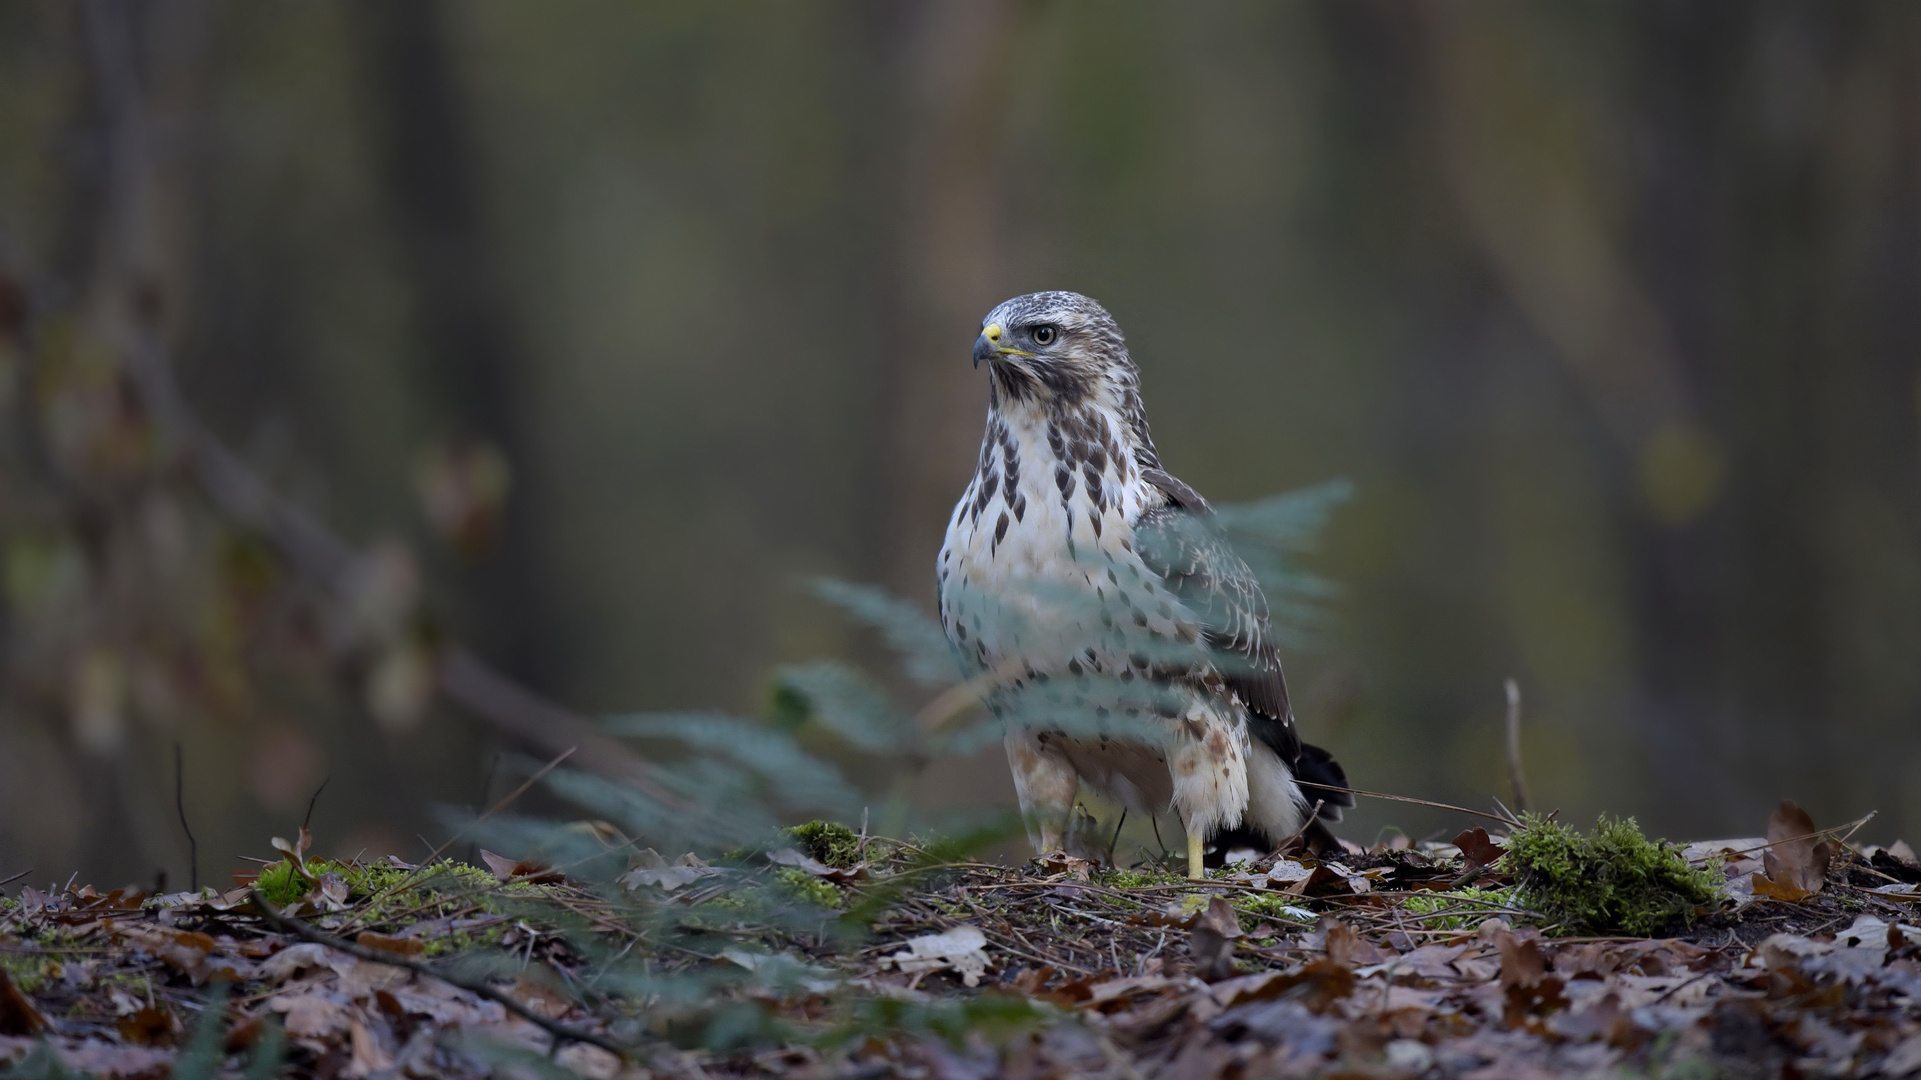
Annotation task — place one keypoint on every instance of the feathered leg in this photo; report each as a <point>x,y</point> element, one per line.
<point>1046,784</point>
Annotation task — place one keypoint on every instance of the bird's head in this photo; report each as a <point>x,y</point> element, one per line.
<point>1056,348</point>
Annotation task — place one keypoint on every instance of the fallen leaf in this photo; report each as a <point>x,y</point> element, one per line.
<point>294,959</point>
<point>399,946</point>
<point>1477,850</point>
<point>1603,1020</point>
<point>296,852</point>
<point>1349,947</point>
<point>1903,1060</point>
<point>1795,866</point>
<point>1434,962</point>
<point>1288,1023</point>
<point>368,1057</point>
<point>963,949</point>
<point>654,870</point>
<point>1212,940</point>
<point>1522,962</point>
<point>17,1014</point>
<point>312,1016</point>
<point>1318,984</point>
<point>506,870</point>
<point>335,889</point>
<point>149,1025</point>
<point>1074,866</point>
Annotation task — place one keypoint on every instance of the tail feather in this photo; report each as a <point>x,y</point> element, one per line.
<point>1317,766</point>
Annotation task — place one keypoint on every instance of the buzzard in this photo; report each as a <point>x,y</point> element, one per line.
<point>1118,636</point>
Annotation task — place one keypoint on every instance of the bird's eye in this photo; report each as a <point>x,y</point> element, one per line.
<point>1044,335</point>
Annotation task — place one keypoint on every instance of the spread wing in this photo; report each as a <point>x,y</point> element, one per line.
<point>1181,543</point>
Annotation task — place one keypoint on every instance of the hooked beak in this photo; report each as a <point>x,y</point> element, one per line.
<point>988,345</point>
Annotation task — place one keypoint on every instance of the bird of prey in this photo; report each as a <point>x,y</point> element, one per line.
<point>1117,635</point>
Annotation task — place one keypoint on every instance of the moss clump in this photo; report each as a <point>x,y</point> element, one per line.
<point>1613,880</point>
<point>828,842</point>
<point>1140,877</point>
<point>805,886</point>
<point>29,973</point>
<point>283,885</point>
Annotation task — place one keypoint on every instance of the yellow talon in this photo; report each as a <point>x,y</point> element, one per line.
<point>1194,868</point>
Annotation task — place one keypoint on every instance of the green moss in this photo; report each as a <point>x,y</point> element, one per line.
<point>805,886</point>
<point>29,973</point>
<point>282,884</point>
<point>1139,877</point>
<point>1613,880</point>
<point>828,842</point>
<point>1273,904</point>
<point>462,940</point>
<point>1458,908</point>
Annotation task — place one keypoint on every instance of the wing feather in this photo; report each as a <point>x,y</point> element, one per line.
<point>1180,542</point>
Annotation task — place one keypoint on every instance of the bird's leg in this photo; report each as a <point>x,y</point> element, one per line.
<point>1194,868</point>
<point>1046,785</point>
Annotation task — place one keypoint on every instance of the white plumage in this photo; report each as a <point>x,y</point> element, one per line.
<point>1122,642</point>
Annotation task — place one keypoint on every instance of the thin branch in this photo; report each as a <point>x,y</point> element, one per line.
<point>180,807</point>
<point>1409,799</point>
<point>311,803</point>
<point>1516,776</point>
<point>287,924</point>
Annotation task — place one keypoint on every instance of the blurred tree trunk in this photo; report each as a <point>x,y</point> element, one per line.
<point>953,57</point>
<point>471,376</point>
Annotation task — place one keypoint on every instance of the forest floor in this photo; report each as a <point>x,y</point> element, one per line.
<point>879,958</point>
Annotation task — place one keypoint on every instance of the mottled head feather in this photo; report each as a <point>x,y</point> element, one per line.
<point>1085,365</point>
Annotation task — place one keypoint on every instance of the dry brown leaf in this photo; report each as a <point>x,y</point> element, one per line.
<point>1321,983</point>
<point>149,1025</point>
<point>1212,940</point>
<point>1522,962</point>
<point>1349,947</point>
<point>506,870</point>
<point>1525,983</point>
<point>335,889</point>
<point>17,1014</point>
<point>1795,866</point>
<point>368,1057</point>
<point>1477,850</point>
<point>398,946</point>
<point>312,1016</point>
<point>1434,962</point>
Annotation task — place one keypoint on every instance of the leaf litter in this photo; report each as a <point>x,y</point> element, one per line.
<point>1403,960</point>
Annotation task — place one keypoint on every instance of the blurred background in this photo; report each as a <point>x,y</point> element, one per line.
<point>381,379</point>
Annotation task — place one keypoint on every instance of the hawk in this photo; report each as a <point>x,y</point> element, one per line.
<point>1119,638</point>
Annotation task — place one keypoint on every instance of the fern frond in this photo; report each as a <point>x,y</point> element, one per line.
<point>917,638</point>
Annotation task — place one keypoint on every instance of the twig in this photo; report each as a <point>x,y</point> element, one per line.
<point>1313,815</point>
<point>1851,826</point>
<point>311,803</point>
<point>180,807</point>
<point>1408,799</point>
<point>287,924</point>
<point>16,877</point>
<point>1516,777</point>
